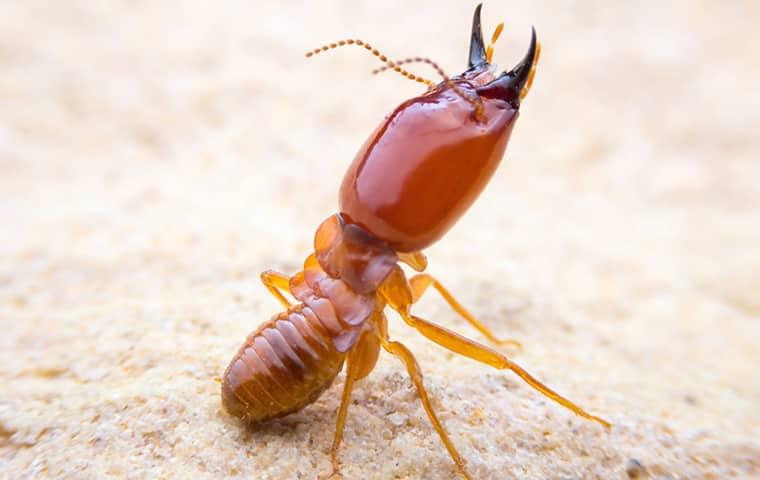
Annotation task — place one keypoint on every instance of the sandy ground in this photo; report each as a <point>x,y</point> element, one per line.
<point>155,157</point>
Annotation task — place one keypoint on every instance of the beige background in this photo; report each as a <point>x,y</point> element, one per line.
<point>156,156</point>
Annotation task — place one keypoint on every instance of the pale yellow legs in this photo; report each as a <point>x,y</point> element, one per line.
<point>401,294</point>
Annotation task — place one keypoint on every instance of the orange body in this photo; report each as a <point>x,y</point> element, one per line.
<point>411,181</point>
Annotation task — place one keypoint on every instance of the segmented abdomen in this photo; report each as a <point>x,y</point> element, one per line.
<point>282,367</point>
<point>291,359</point>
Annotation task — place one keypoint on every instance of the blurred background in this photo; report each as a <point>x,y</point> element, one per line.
<point>156,156</point>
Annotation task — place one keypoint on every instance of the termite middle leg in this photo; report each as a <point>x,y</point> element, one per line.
<point>420,283</point>
<point>275,283</point>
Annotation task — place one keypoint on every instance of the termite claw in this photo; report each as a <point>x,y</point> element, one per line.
<point>521,71</point>
<point>513,85</point>
<point>477,49</point>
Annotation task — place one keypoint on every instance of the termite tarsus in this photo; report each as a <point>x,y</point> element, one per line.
<point>411,181</point>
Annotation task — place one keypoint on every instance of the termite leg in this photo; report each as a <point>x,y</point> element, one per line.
<point>399,349</point>
<point>351,374</point>
<point>420,283</point>
<point>360,360</point>
<point>275,282</point>
<point>469,348</point>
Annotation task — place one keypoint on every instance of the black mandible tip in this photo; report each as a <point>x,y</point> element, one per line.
<point>520,73</point>
<point>477,49</point>
<point>508,85</point>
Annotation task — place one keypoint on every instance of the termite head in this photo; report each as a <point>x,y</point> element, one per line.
<point>428,161</point>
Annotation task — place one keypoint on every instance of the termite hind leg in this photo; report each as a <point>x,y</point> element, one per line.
<point>469,348</point>
<point>420,283</point>
<point>399,349</point>
<point>276,282</point>
<point>360,360</point>
<point>351,374</point>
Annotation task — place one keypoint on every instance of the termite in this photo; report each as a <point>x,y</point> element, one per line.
<point>415,176</point>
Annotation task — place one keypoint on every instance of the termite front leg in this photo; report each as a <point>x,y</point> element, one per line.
<point>276,282</point>
<point>420,283</point>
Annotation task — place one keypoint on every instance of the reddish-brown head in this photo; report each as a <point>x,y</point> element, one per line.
<point>424,166</point>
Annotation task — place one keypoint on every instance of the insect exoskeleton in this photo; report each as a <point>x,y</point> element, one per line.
<point>413,178</point>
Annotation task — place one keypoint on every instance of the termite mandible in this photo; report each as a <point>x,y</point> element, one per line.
<point>415,176</point>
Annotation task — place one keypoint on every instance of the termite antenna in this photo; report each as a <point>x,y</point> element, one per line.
<point>390,64</point>
<point>396,67</point>
<point>424,60</point>
<point>401,62</point>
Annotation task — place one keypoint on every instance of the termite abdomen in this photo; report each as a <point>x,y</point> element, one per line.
<point>283,366</point>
